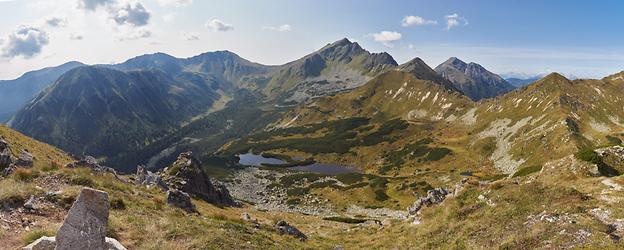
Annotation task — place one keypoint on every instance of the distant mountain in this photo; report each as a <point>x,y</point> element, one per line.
<point>338,66</point>
<point>473,80</point>
<point>520,82</point>
<point>14,94</point>
<point>422,71</point>
<point>103,112</point>
<point>224,65</point>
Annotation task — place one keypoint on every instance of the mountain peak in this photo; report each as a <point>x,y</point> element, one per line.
<point>341,42</point>
<point>455,63</point>
<point>555,77</point>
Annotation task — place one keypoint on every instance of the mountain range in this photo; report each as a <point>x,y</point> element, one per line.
<point>349,146</point>
<point>14,94</point>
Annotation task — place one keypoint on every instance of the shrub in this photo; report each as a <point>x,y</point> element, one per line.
<point>82,181</point>
<point>345,220</point>
<point>24,174</point>
<point>117,204</point>
<point>527,171</point>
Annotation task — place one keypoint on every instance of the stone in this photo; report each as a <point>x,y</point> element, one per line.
<point>86,222</point>
<point>284,228</point>
<point>25,160</point>
<point>49,243</point>
<point>147,178</point>
<point>43,243</point>
<point>434,196</point>
<point>246,217</point>
<point>30,203</point>
<point>187,175</point>
<point>181,200</point>
<point>5,154</point>
<point>113,244</point>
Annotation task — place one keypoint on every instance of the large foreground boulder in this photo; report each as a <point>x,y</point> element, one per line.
<point>84,226</point>
<point>86,222</point>
<point>187,175</point>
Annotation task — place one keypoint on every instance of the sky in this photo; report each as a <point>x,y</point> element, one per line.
<point>513,38</point>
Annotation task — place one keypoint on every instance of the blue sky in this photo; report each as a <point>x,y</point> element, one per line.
<point>576,38</point>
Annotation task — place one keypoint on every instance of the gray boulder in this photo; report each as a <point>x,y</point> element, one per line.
<point>86,222</point>
<point>5,155</point>
<point>49,243</point>
<point>25,160</point>
<point>284,228</point>
<point>434,196</point>
<point>181,200</point>
<point>43,243</point>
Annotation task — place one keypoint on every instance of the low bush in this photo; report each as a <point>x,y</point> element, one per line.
<point>527,171</point>
<point>345,220</point>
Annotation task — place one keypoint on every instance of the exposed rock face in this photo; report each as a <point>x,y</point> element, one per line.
<point>613,156</point>
<point>25,160</point>
<point>187,175</point>
<point>434,196</point>
<point>284,228</point>
<point>86,222</point>
<point>181,200</point>
<point>5,154</point>
<point>147,178</point>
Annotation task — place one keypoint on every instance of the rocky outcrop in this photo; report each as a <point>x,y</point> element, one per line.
<point>187,175</point>
<point>5,154</point>
<point>181,200</point>
<point>145,177</point>
<point>434,196</point>
<point>284,228</point>
<point>613,157</point>
<point>84,226</point>
<point>91,163</point>
<point>25,160</point>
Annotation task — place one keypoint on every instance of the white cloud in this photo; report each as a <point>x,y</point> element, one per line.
<point>281,28</point>
<point>175,3</point>
<point>133,14</point>
<point>25,41</point>
<point>93,4</point>
<point>416,20</point>
<point>134,34</point>
<point>454,20</point>
<point>169,17</point>
<point>75,36</point>
<point>387,37</point>
<point>218,25</point>
<point>191,36</point>
<point>55,21</point>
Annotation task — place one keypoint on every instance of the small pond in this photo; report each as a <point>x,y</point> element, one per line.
<point>251,159</point>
